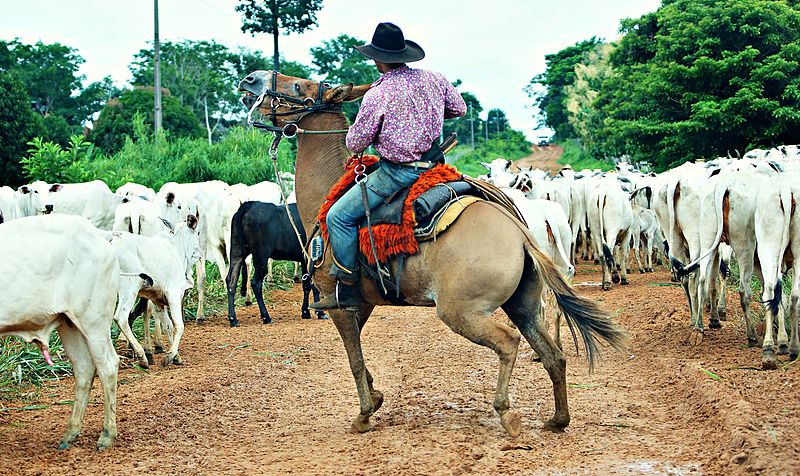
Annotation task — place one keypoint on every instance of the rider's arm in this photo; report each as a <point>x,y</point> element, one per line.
<point>368,123</point>
<point>454,105</point>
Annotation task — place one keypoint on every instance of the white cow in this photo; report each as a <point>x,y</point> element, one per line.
<point>23,202</point>
<point>91,200</point>
<point>159,269</point>
<point>178,201</point>
<point>139,217</point>
<point>610,221</point>
<point>59,272</point>
<point>777,223</point>
<point>131,189</point>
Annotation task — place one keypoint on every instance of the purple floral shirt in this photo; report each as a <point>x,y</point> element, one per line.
<point>403,112</point>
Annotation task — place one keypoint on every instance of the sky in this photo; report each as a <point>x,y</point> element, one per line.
<point>493,47</point>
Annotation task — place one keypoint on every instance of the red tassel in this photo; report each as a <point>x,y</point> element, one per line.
<point>390,240</point>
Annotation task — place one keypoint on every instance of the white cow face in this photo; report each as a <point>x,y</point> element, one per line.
<point>187,241</point>
<point>37,197</point>
<point>171,208</point>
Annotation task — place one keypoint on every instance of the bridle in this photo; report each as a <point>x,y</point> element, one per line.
<point>296,106</point>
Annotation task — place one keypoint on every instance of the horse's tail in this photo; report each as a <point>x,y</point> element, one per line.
<point>593,323</point>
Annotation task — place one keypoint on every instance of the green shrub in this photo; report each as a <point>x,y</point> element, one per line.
<point>577,157</point>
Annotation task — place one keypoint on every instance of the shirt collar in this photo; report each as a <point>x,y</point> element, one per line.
<point>394,72</point>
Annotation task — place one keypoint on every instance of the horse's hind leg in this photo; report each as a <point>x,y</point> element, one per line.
<point>523,310</point>
<point>463,319</point>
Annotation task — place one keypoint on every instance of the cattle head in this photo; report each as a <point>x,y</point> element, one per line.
<point>171,208</point>
<point>37,199</point>
<point>287,97</point>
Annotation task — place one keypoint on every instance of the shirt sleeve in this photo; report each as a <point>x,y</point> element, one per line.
<point>454,105</point>
<point>367,124</point>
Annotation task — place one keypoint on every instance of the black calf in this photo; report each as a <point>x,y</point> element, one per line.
<point>263,230</point>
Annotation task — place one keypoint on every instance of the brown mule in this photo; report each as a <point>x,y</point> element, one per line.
<point>504,267</point>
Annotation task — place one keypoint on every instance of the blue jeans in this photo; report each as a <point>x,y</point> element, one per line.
<point>348,212</point>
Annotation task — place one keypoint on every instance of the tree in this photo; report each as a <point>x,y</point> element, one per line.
<point>18,125</point>
<point>203,75</point>
<point>116,118</point>
<point>465,126</point>
<point>273,16</point>
<point>699,79</point>
<point>559,74</point>
<point>496,121</point>
<point>340,63</point>
<point>49,74</point>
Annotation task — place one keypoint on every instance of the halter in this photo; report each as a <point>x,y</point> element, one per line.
<point>297,106</point>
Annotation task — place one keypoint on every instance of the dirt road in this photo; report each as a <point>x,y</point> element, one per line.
<point>542,158</point>
<point>278,399</point>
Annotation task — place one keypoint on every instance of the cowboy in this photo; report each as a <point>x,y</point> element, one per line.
<point>402,116</point>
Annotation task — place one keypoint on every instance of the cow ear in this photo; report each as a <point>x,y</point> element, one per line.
<point>56,187</point>
<point>508,164</point>
<point>191,222</point>
<point>24,189</point>
<point>488,167</point>
<point>170,198</point>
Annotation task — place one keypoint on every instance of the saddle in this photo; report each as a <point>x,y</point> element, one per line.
<point>412,215</point>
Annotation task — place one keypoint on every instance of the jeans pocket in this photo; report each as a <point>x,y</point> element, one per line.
<point>383,183</point>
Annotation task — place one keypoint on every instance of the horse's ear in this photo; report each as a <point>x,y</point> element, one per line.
<point>346,92</point>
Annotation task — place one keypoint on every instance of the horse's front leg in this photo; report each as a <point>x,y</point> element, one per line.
<point>349,326</point>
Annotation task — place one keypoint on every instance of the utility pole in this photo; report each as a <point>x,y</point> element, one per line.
<point>471,126</point>
<point>157,70</point>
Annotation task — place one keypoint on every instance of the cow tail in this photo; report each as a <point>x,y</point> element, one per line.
<point>773,303</point>
<point>608,257</point>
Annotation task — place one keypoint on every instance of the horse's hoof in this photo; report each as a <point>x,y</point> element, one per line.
<point>234,322</point>
<point>377,399</point>
<point>535,357</point>
<point>105,441</point>
<point>557,424</point>
<point>695,337</point>
<point>783,349</point>
<point>606,285</point>
<point>619,268</point>
<point>615,277</point>
<point>623,281</point>
<point>512,423</point>
<point>714,324</point>
<point>360,425</point>
<point>768,361</point>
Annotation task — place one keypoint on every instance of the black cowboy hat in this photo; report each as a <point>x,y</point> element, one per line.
<point>389,46</point>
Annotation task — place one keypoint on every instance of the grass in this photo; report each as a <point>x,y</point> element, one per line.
<point>23,370</point>
<point>575,156</point>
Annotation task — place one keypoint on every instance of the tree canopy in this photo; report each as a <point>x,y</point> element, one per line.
<point>18,125</point>
<point>694,79</point>
<point>274,16</point>
<point>116,118</point>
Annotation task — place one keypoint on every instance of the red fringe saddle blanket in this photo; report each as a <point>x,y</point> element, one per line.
<point>390,240</point>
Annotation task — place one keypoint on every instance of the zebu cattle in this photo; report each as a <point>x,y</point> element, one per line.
<point>131,189</point>
<point>179,200</point>
<point>91,200</point>
<point>139,217</point>
<point>220,216</point>
<point>610,221</point>
<point>59,272</point>
<point>778,234</point>
<point>263,230</point>
<point>643,237</point>
<point>159,269</point>
<point>23,202</point>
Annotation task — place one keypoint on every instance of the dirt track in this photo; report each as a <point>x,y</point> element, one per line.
<point>542,158</point>
<point>279,399</point>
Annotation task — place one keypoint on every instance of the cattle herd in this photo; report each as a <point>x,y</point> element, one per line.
<point>92,252</point>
